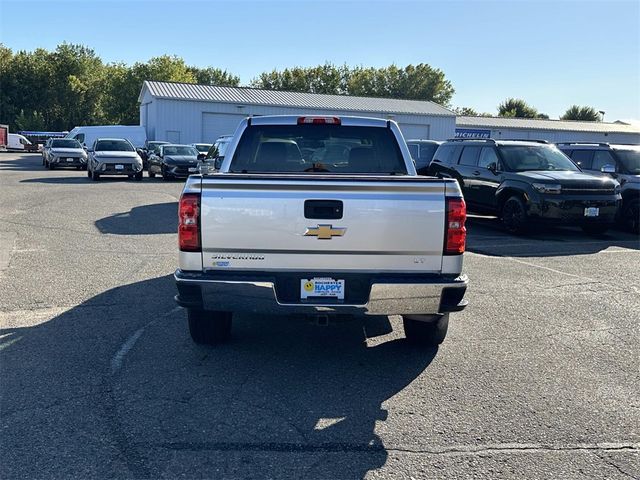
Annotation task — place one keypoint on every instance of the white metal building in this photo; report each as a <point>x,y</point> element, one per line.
<point>187,113</point>
<point>550,130</point>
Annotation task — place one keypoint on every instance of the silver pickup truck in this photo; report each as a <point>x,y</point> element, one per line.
<point>320,216</point>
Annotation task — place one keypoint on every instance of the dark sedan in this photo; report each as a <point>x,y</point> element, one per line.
<point>173,161</point>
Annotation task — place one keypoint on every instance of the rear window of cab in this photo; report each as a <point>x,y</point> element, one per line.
<point>325,148</point>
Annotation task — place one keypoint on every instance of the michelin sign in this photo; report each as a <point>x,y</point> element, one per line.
<point>472,133</point>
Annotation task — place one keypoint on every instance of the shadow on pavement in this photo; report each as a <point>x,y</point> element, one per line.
<point>143,220</point>
<point>284,399</point>
<point>54,180</point>
<point>26,162</point>
<point>486,236</point>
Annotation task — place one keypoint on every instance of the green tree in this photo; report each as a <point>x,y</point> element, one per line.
<point>466,111</point>
<point>516,108</point>
<point>587,114</point>
<point>420,82</point>
<point>214,76</point>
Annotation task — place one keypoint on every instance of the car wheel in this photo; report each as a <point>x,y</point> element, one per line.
<point>209,328</point>
<point>88,173</point>
<point>428,331</point>
<point>595,229</point>
<point>95,176</point>
<point>51,166</point>
<point>165,176</point>
<point>138,176</point>
<point>631,215</point>
<point>151,174</point>
<point>514,216</point>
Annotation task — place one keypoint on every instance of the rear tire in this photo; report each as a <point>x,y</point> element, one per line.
<point>429,331</point>
<point>514,216</point>
<point>95,176</point>
<point>51,166</point>
<point>138,176</point>
<point>151,174</point>
<point>209,328</point>
<point>595,229</point>
<point>631,215</point>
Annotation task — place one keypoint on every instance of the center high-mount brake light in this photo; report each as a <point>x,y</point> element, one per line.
<point>455,233</point>
<point>319,120</point>
<point>189,222</point>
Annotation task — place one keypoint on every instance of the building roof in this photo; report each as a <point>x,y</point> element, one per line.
<point>255,96</point>
<point>543,124</point>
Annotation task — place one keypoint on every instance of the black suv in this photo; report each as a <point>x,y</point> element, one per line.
<point>621,162</point>
<point>422,152</point>
<point>525,182</point>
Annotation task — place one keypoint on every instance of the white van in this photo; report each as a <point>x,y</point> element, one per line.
<point>17,142</point>
<point>87,135</point>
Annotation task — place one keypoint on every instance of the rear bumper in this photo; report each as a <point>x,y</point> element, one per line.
<point>381,294</point>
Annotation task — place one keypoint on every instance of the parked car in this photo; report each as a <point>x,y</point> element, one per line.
<point>174,161</point>
<point>621,162</point>
<point>135,134</point>
<point>202,147</point>
<point>274,234</point>
<point>113,156</point>
<point>63,152</point>
<point>149,148</point>
<point>422,152</point>
<point>527,182</point>
<point>214,157</point>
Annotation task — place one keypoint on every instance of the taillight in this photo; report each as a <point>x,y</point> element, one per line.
<point>455,233</point>
<point>189,222</point>
<point>319,120</point>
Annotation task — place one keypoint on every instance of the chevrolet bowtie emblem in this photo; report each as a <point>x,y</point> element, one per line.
<point>324,232</point>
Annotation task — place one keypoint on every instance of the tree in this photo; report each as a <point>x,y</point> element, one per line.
<point>516,108</point>
<point>466,111</point>
<point>420,82</point>
<point>586,114</point>
<point>214,76</point>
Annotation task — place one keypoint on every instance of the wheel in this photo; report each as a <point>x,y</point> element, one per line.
<point>51,166</point>
<point>514,216</point>
<point>630,216</point>
<point>209,328</point>
<point>43,161</point>
<point>595,229</point>
<point>428,331</point>
<point>138,176</point>
<point>151,174</point>
<point>95,176</point>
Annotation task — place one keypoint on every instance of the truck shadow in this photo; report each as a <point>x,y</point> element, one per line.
<point>486,236</point>
<point>284,399</point>
<point>143,220</point>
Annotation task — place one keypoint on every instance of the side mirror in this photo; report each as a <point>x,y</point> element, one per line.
<point>608,168</point>
<point>493,168</point>
<point>217,163</point>
<point>201,156</point>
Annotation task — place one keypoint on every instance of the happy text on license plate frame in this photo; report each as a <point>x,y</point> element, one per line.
<point>321,287</point>
<point>591,211</point>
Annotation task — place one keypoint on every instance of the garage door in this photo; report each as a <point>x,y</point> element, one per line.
<point>216,124</point>
<point>415,131</point>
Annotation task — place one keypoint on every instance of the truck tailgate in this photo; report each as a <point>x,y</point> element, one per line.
<point>386,224</point>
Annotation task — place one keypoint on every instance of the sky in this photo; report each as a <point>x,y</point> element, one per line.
<point>552,54</point>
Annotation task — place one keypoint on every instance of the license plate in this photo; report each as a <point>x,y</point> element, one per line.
<point>69,159</point>
<point>321,287</point>
<point>193,169</point>
<point>119,167</point>
<point>591,212</point>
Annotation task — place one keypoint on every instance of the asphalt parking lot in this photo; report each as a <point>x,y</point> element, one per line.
<point>538,377</point>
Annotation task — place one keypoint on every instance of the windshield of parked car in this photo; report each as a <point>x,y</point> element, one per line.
<point>113,146</point>
<point>630,158</point>
<point>202,147</point>
<point>524,158</point>
<point>65,143</point>
<point>318,148</point>
<point>179,150</point>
